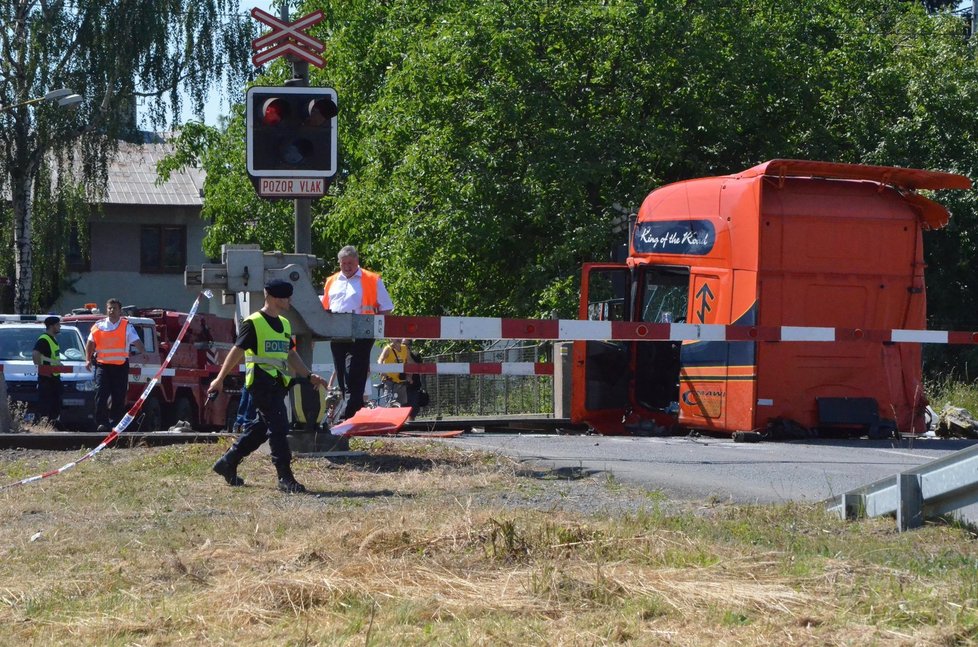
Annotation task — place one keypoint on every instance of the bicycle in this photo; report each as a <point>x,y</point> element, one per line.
<point>387,396</point>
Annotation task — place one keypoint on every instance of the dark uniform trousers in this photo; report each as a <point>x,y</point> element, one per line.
<point>353,381</point>
<point>271,423</point>
<point>111,382</point>
<point>49,397</point>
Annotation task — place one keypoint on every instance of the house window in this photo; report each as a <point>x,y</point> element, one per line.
<point>163,249</point>
<point>78,256</point>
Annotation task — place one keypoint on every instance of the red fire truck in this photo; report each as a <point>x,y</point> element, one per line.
<point>182,391</point>
<point>788,243</point>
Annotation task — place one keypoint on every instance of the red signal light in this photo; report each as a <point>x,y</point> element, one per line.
<point>291,132</point>
<point>274,111</point>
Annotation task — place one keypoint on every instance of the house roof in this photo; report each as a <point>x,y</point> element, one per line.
<point>132,178</point>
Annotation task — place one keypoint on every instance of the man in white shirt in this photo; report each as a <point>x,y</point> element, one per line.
<point>354,289</point>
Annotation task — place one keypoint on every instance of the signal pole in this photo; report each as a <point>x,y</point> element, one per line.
<point>303,206</point>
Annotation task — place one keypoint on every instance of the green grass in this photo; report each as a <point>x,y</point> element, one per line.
<point>414,545</point>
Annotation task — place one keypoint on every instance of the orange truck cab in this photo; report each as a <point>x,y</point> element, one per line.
<point>785,243</point>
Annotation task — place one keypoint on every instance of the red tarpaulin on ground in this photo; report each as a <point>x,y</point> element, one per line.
<point>373,422</point>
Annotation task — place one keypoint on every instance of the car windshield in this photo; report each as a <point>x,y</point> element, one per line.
<point>18,343</point>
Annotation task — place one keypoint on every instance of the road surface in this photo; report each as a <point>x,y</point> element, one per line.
<point>697,467</point>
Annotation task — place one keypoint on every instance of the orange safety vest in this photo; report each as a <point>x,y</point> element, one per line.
<point>111,347</point>
<point>368,284</point>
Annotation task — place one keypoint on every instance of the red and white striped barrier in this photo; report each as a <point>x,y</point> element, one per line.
<point>149,371</point>
<point>468,328</point>
<point>468,368</point>
<point>11,368</point>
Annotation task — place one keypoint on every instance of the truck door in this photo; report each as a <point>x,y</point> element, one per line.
<point>601,370</point>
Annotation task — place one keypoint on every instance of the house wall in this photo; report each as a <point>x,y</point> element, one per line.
<point>114,262</point>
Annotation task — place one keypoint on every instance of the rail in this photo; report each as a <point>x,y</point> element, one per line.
<point>923,492</point>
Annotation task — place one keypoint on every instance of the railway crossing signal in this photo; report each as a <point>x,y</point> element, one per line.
<point>291,135</point>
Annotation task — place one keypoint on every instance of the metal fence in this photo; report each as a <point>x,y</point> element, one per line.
<point>491,395</point>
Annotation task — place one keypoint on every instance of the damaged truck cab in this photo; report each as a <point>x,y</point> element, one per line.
<point>785,243</point>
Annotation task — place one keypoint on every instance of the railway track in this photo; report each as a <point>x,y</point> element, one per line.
<point>88,440</point>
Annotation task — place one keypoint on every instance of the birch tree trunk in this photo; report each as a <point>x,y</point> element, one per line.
<point>23,258</point>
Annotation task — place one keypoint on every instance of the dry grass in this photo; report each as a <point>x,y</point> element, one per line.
<point>421,544</point>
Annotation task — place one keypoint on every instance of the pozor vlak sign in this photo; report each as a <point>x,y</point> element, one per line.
<point>291,137</point>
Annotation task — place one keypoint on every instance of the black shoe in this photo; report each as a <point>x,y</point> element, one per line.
<point>104,429</point>
<point>291,486</point>
<point>229,471</point>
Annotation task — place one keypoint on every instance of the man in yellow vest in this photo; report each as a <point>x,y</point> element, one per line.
<point>354,289</point>
<point>107,349</point>
<point>266,345</point>
<point>49,382</point>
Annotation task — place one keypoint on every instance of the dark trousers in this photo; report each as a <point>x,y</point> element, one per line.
<point>271,423</point>
<point>49,397</point>
<point>111,383</point>
<point>352,379</point>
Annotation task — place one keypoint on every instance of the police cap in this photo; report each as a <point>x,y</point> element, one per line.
<point>52,320</point>
<point>278,288</point>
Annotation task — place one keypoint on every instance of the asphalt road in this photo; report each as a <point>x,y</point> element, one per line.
<point>696,468</point>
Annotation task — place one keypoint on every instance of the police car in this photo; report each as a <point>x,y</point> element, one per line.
<point>18,334</point>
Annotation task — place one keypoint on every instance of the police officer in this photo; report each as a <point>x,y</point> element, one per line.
<point>107,348</point>
<point>45,353</point>
<point>265,342</point>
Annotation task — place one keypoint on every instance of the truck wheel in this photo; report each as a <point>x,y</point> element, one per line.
<point>151,418</point>
<point>185,410</point>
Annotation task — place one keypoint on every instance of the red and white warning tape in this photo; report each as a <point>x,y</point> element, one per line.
<point>133,411</point>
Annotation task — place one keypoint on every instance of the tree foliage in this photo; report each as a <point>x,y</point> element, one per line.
<point>485,145</point>
<point>113,52</point>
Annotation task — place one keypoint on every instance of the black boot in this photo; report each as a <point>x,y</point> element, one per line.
<point>227,466</point>
<point>287,482</point>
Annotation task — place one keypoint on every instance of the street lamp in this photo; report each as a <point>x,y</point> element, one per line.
<point>63,97</point>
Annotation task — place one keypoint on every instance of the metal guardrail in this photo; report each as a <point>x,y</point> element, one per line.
<point>923,492</point>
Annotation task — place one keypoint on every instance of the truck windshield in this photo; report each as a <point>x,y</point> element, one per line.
<point>665,294</point>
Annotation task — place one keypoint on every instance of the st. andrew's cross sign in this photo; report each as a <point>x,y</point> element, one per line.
<point>287,38</point>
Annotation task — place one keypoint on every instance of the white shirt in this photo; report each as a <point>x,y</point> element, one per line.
<point>107,326</point>
<point>346,294</point>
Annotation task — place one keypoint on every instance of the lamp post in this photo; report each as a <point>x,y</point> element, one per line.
<point>63,97</point>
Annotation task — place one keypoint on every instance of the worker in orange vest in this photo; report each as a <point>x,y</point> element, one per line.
<point>107,349</point>
<point>354,289</point>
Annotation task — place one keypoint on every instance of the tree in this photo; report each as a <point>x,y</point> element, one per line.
<point>940,5</point>
<point>53,162</point>
<point>484,144</point>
